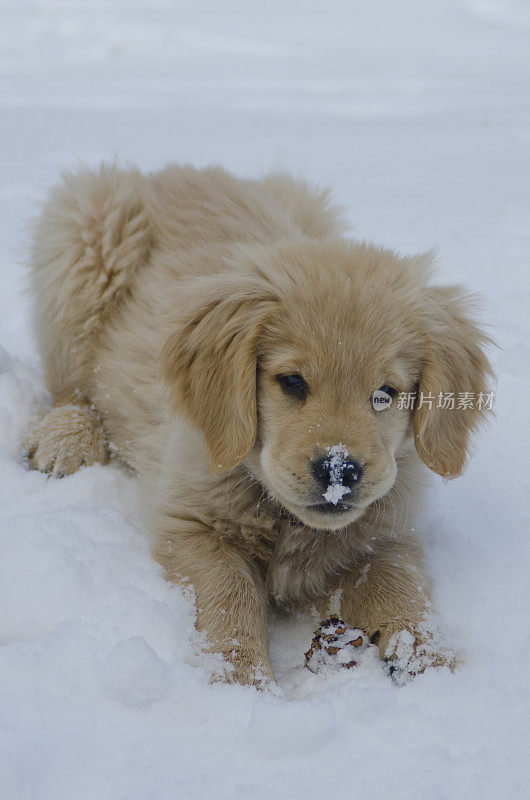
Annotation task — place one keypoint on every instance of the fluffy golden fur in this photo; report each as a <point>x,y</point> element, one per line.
<point>168,307</point>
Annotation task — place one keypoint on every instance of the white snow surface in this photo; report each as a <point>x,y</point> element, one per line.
<point>418,115</point>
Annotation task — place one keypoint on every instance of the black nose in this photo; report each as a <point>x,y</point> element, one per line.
<point>327,471</point>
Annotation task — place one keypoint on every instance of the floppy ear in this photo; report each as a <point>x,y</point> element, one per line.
<point>209,364</point>
<point>455,363</point>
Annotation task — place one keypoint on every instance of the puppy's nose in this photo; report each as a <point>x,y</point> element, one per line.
<point>325,471</point>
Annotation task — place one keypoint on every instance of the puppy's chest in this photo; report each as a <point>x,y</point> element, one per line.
<point>299,564</point>
<point>307,563</point>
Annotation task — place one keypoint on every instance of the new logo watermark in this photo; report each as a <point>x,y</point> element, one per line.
<point>381,400</point>
<point>447,401</point>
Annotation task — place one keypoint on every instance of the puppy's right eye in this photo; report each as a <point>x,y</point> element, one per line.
<point>293,385</point>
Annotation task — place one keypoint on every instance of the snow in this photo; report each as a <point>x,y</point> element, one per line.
<point>335,492</point>
<point>134,675</point>
<point>280,730</point>
<point>336,462</point>
<point>418,115</point>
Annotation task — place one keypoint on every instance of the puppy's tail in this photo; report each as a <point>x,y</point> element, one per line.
<point>92,237</point>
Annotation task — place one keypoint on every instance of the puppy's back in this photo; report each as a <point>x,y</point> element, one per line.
<point>99,229</point>
<point>190,207</point>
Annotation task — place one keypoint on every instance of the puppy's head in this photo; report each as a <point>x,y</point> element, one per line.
<point>302,360</point>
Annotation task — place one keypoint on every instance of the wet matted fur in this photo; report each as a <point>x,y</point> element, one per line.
<point>171,311</point>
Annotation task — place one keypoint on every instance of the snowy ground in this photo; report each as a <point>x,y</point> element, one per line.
<point>418,114</point>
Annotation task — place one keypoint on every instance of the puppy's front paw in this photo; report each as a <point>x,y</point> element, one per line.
<point>245,667</point>
<point>65,439</point>
<point>410,652</point>
<point>335,646</point>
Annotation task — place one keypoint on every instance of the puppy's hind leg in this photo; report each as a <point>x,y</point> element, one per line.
<point>66,438</point>
<point>92,238</point>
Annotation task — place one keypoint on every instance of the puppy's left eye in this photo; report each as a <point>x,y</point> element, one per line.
<point>294,385</point>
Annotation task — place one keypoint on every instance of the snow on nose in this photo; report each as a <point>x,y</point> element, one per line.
<point>336,463</point>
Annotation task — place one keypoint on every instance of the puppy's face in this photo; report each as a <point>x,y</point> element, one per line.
<point>287,354</point>
<point>325,449</point>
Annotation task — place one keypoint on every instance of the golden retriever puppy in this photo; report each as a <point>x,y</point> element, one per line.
<point>223,338</point>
